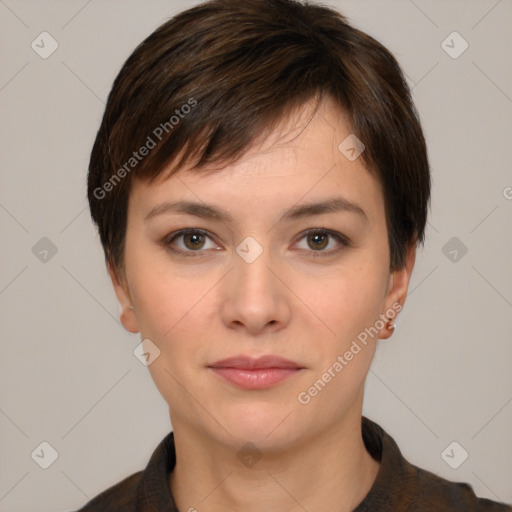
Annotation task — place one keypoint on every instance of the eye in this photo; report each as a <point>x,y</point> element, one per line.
<point>190,241</point>
<point>318,240</point>
<point>194,242</point>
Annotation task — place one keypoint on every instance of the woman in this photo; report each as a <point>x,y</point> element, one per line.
<point>260,183</point>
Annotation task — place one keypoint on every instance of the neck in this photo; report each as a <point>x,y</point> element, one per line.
<point>329,471</point>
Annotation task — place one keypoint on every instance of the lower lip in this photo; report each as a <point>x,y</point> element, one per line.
<point>260,378</point>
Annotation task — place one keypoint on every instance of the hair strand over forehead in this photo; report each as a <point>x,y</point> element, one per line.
<point>205,85</point>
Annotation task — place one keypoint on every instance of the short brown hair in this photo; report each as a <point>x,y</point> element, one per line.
<point>210,81</point>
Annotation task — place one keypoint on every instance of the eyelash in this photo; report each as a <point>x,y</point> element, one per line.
<point>169,239</point>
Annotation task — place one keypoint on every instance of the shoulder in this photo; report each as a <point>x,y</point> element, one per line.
<point>404,487</point>
<point>121,497</point>
<point>428,492</point>
<point>144,490</point>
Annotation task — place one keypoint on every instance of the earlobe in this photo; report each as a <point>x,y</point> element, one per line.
<point>126,310</point>
<point>397,292</point>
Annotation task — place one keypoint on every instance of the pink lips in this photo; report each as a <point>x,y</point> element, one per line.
<point>255,373</point>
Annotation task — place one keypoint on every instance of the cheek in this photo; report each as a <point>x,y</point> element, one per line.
<point>349,304</point>
<point>169,307</point>
<point>344,302</point>
<point>171,312</point>
<point>165,298</point>
<point>178,315</point>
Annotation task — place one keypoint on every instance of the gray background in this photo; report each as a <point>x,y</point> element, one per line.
<point>68,375</point>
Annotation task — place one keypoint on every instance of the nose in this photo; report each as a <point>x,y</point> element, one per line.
<point>254,300</point>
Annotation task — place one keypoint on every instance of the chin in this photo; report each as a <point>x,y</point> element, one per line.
<point>268,426</point>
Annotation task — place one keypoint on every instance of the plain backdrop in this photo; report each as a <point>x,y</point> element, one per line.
<point>68,376</point>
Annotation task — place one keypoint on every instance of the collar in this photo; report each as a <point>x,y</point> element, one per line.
<point>398,487</point>
<point>154,493</point>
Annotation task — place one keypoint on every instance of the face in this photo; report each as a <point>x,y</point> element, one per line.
<point>283,254</point>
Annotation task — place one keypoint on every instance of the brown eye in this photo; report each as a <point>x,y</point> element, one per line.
<point>322,242</point>
<point>318,241</point>
<point>190,242</point>
<point>194,241</point>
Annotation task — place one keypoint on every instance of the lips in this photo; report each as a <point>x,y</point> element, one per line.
<point>255,373</point>
<point>249,363</point>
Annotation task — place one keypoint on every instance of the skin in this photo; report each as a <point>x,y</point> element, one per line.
<point>204,308</point>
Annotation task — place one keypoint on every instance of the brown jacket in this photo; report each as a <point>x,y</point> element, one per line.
<point>399,486</point>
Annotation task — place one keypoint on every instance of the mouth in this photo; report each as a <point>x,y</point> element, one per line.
<point>255,373</point>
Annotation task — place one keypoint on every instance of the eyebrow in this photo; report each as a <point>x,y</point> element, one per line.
<point>203,210</point>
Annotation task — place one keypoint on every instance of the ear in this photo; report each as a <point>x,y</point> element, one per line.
<point>397,290</point>
<point>126,313</point>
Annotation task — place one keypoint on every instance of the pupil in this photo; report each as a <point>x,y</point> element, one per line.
<point>193,241</point>
<point>318,240</point>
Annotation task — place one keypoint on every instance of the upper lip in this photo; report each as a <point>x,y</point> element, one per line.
<point>255,363</point>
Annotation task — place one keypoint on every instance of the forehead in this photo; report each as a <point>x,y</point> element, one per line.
<point>304,158</point>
